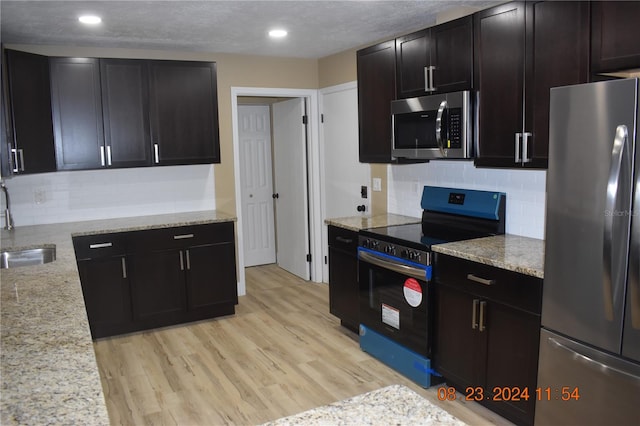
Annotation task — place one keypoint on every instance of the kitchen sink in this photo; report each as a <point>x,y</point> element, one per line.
<point>27,257</point>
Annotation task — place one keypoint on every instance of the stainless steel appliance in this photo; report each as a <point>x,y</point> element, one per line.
<point>394,273</point>
<point>432,127</point>
<point>589,365</point>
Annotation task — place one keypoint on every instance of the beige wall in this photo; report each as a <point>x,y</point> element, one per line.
<point>233,70</point>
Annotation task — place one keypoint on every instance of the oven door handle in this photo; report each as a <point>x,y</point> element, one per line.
<point>419,273</point>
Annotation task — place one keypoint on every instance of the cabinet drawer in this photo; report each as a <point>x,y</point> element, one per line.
<point>343,239</point>
<point>99,246</point>
<point>508,287</point>
<point>181,236</point>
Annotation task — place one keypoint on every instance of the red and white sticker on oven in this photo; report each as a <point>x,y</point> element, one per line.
<point>412,292</point>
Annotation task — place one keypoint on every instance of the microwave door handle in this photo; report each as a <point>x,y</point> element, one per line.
<point>443,106</point>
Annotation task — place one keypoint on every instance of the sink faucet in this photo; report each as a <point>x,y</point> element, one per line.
<point>8,220</point>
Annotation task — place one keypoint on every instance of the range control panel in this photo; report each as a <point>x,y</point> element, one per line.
<point>422,257</point>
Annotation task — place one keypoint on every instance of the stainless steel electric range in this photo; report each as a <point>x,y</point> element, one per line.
<point>394,274</point>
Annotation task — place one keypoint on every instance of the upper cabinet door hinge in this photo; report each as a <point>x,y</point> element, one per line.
<point>308,257</point>
<point>304,119</point>
<point>322,118</point>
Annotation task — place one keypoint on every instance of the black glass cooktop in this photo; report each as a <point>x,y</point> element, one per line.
<point>414,235</point>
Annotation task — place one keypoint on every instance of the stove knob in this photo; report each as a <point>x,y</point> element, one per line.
<point>374,245</point>
<point>390,250</point>
<point>404,254</point>
<point>414,255</point>
<point>366,243</point>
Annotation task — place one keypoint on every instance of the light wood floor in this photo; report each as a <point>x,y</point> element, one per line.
<point>280,354</point>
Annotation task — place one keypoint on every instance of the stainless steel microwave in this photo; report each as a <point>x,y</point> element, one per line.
<point>433,127</point>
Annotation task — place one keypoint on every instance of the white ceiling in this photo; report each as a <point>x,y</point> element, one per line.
<point>316,28</point>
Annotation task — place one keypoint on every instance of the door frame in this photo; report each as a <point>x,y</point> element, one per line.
<point>314,186</point>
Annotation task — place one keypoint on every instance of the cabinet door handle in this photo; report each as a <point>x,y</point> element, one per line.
<point>483,308</point>
<point>429,79</point>
<point>181,261</point>
<point>15,168</point>
<point>108,155</point>
<point>124,268</point>
<point>18,160</point>
<point>100,245</point>
<point>182,236</point>
<point>156,153</point>
<point>484,281</point>
<point>102,163</point>
<point>518,159</point>
<point>474,314</point>
<point>188,260</point>
<point>426,79</point>
<point>431,85</point>
<point>525,147</point>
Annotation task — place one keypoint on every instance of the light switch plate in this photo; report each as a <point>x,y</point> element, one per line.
<point>377,184</point>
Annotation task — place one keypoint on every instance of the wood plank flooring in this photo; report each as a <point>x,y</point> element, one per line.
<point>280,354</point>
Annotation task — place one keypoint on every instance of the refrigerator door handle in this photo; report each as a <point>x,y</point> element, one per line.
<point>592,363</point>
<point>634,261</point>
<point>615,171</point>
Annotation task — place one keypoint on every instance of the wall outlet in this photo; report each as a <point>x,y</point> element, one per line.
<point>39,196</point>
<point>377,184</point>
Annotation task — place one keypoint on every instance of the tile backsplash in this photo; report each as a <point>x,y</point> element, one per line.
<point>525,189</point>
<point>104,194</point>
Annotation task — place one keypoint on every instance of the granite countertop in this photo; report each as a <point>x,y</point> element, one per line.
<point>391,405</point>
<point>48,367</point>
<point>511,252</point>
<point>356,223</point>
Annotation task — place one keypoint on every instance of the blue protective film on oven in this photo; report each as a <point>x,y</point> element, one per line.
<point>465,202</point>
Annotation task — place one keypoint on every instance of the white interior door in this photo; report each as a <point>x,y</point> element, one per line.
<point>290,170</point>
<point>254,132</point>
<point>344,175</point>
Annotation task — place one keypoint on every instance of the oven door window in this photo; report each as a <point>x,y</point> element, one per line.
<point>417,130</point>
<point>395,305</point>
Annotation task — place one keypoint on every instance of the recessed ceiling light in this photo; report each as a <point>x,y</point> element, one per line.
<point>90,19</point>
<point>277,33</point>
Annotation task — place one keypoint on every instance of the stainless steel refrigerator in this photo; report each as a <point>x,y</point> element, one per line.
<point>589,367</point>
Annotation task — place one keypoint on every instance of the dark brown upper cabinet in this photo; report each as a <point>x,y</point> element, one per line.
<point>435,60</point>
<point>184,112</point>
<point>522,50</point>
<point>125,107</point>
<point>77,113</point>
<point>376,89</point>
<point>615,36</point>
<point>31,144</point>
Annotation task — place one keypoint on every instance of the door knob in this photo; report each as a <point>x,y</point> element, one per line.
<point>276,195</point>
<point>361,208</point>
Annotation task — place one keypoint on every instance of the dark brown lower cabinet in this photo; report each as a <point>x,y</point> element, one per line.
<point>105,286</point>
<point>343,276</point>
<point>147,279</point>
<point>487,335</point>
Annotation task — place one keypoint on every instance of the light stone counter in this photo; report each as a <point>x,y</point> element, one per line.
<point>48,367</point>
<point>356,223</point>
<point>391,405</point>
<point>511,252</point>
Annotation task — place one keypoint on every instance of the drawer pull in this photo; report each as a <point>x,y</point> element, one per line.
<point>484,281</point>
<point>100,245</point>
<point>344,240</point>
<point>182,237</point>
